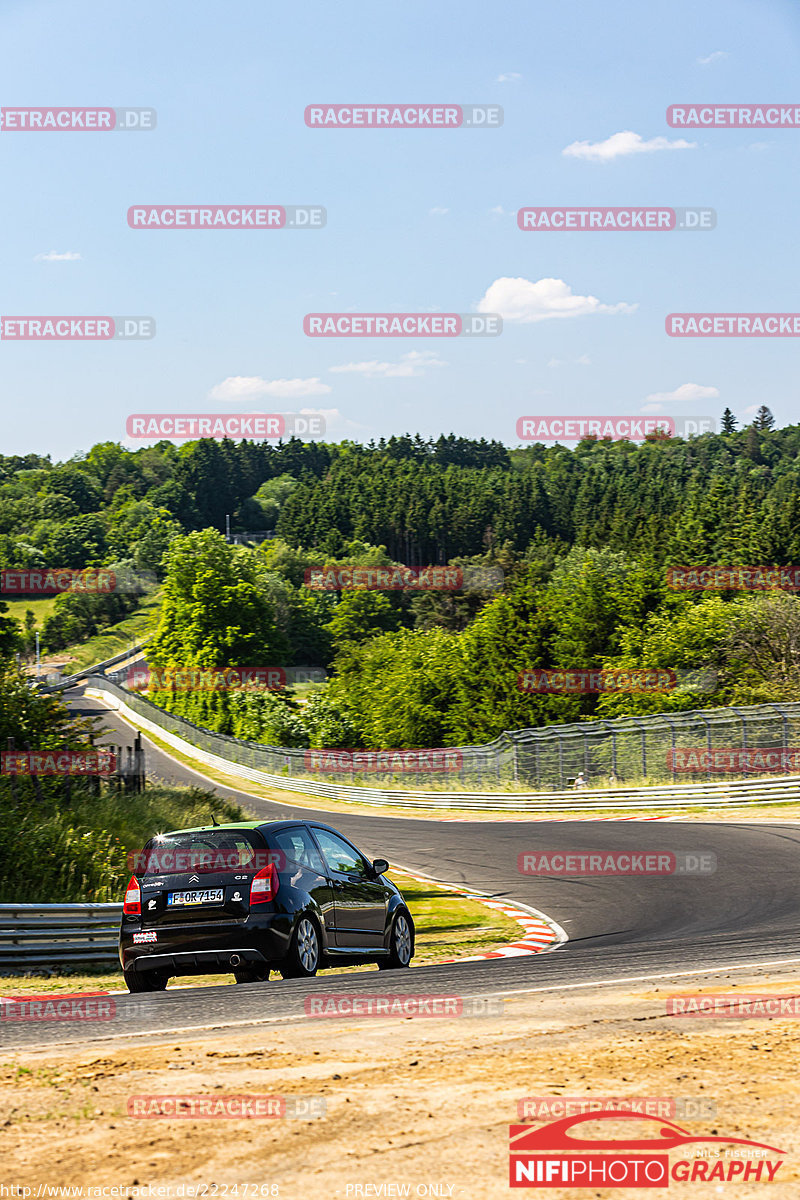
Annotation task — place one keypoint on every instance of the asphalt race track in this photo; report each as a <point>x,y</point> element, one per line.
<point>620,929</point>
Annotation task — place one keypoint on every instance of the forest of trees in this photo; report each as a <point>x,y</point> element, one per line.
<point>582,537</point>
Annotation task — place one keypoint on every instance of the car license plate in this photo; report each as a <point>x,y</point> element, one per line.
<point>206,896</point>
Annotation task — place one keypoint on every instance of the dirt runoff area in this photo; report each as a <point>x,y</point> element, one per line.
<point>407,1107</point>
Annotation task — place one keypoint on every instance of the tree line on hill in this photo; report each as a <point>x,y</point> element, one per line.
<point>582,537</point>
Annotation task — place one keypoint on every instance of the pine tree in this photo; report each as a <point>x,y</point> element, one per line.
<point>764,419</point>
<point>728,422</point>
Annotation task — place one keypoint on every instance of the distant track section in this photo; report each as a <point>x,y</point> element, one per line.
<point>737,793</point>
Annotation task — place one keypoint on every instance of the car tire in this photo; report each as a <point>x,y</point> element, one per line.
<point>305,950</point>
<point>401,944</point>
<point>145,981</point>
<point>256,975</point>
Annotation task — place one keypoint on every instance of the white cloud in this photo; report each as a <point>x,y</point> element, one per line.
<point>525,301</point>
<point>499,211</point>
<point>54,256</point>
<point>715,56</point>
<point>438,212</point>
<point>252,387</point>
<point>509,77</point>
<point>620,145</point>
<point>752,408</point>
<point>686,391</point>
<point>583,361</point>
<point>414,363</point>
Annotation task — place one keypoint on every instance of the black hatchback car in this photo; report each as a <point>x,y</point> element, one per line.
<point>250,897</point>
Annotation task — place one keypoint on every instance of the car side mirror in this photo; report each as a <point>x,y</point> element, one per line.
<point>380,866</point>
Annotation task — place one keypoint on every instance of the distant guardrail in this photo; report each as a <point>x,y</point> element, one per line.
<point>37,935</point>
<point>97,668</point>
<point>233,757</point>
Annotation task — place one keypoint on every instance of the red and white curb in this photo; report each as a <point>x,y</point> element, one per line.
<point>540,931</point>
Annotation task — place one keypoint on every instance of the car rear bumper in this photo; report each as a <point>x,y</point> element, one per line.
<point>205,949</point>
<point>197,962</point>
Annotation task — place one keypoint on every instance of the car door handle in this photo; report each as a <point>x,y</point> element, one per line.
<point>337,885</point>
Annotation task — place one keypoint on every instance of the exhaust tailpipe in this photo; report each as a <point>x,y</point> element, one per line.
<point>235,960</point>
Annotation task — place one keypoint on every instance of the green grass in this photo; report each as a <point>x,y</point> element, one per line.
<point>40,608</point>
<point>58,852</point>
<point>116,638</point>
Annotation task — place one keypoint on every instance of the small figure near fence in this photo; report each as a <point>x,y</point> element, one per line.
<point>580,781</point>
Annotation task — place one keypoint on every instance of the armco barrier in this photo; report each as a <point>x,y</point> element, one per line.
<point>245,760</point>
<point>36,935</point>
<point>70,680</point>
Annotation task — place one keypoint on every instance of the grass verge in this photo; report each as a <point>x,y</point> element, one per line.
<point>137,625</point>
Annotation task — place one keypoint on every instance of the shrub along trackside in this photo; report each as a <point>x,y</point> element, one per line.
<point>75,850</point>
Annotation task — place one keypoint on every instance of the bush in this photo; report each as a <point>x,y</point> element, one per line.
<point>77,851</point>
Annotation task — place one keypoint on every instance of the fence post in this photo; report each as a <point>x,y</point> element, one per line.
<point>708,744</point>
<point>643,730</point>
<point>671,724</point>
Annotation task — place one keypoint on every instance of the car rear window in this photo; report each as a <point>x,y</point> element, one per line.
<point>207,851</point>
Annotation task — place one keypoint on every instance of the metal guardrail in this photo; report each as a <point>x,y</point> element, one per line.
<point>233,757</point>
<point>36,935</point>
<point>97,668</point>
<point>624,751</point>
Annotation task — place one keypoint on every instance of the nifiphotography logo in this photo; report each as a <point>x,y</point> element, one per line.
<point>552,1156</point>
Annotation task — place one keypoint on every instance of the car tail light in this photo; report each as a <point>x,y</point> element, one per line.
<point>132,904</point>
<point>264,885</point>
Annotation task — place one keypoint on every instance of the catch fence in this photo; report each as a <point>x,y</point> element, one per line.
<point>630,751</point>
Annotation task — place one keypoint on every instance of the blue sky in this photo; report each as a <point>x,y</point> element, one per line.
<point>416,220</point>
